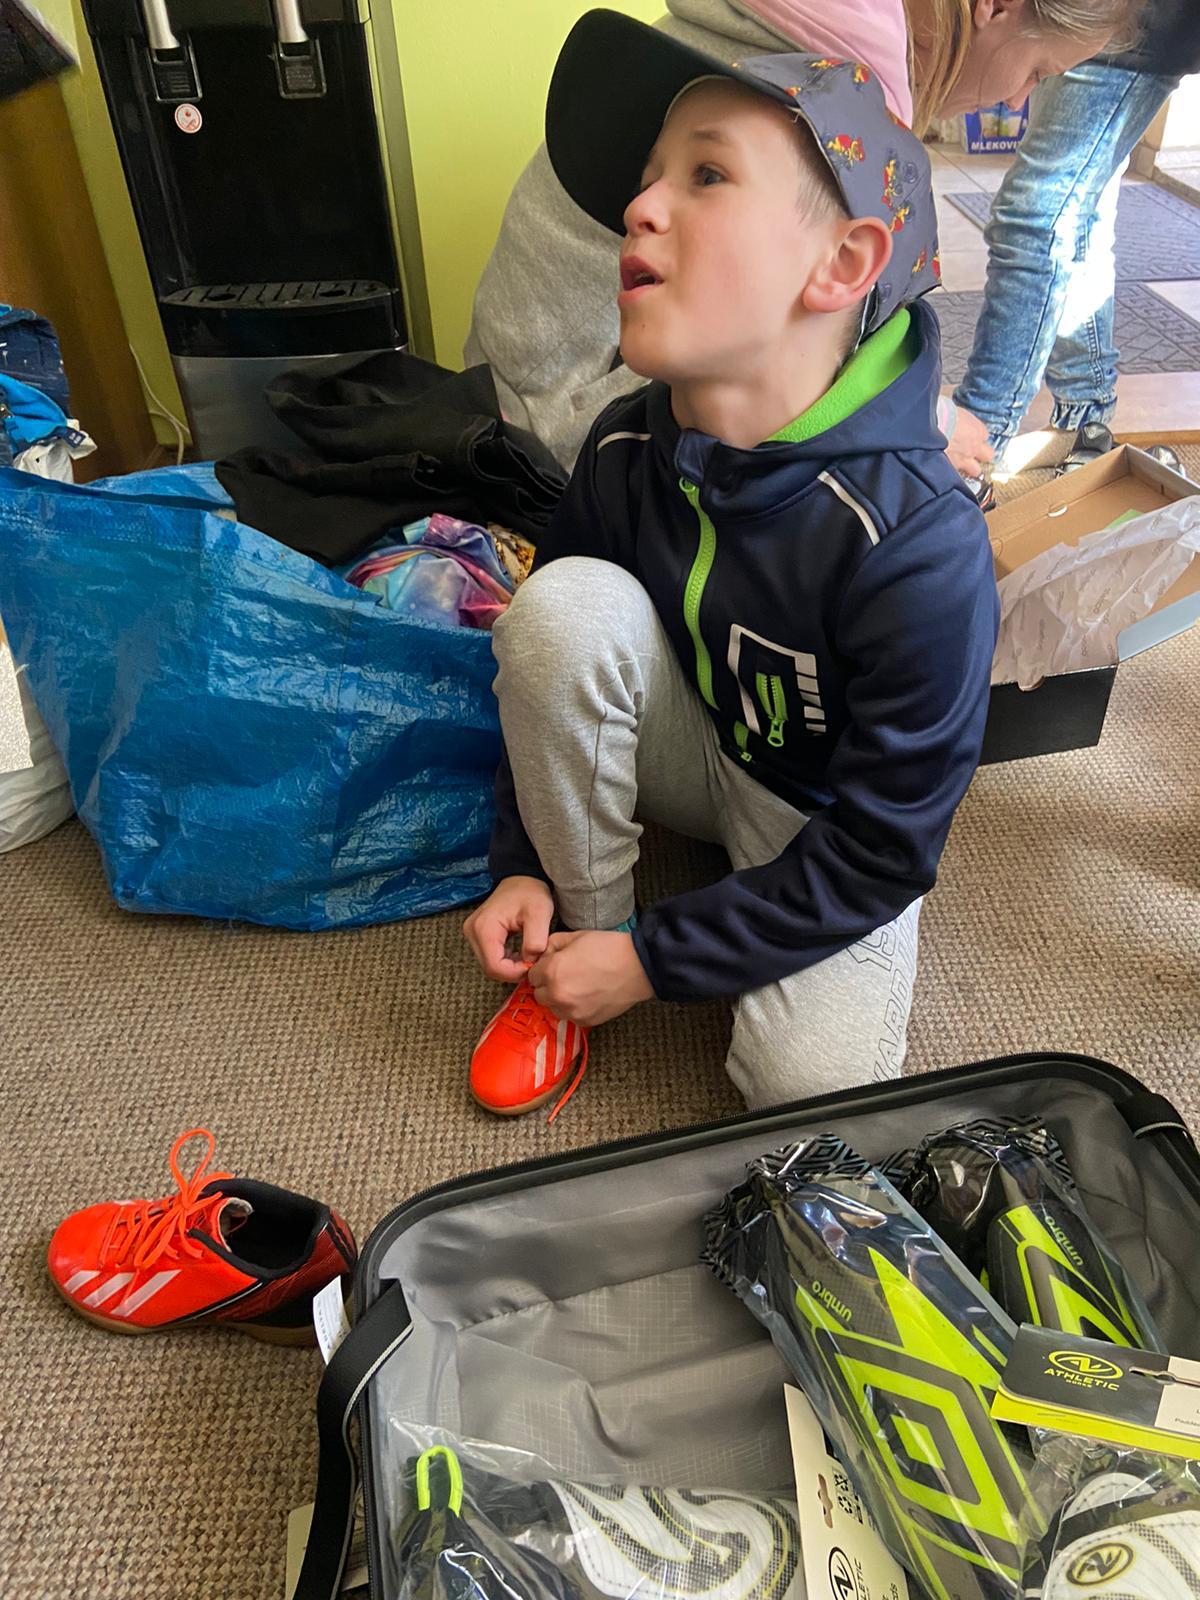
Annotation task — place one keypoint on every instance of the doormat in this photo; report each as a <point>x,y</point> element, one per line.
<point>1158,233</point>
<point>1152,335</point>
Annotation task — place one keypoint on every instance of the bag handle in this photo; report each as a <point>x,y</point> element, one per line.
<point>1147,1112</point>
<point>381,1330</point>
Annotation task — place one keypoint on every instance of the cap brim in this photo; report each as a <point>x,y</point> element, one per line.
<point>613,85</point>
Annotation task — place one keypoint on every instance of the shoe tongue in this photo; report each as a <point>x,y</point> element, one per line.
<point>229,1217</point>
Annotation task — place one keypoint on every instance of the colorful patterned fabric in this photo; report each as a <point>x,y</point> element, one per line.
<point>446,571</point>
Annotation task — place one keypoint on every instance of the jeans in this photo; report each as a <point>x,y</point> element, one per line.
<point>1049,303</point>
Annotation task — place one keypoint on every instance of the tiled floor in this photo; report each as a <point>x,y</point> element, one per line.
<point>1148,406</point>
<point>1182,171</point>
<point>1184,295</point>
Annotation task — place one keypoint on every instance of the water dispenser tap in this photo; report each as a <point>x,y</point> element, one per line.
<point>172,65</point>
<point>298,64</point>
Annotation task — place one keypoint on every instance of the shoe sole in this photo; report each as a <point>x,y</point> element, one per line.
<point>304,1334</point>
<point>521,1110</point>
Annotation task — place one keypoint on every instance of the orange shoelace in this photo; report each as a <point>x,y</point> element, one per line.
<point>525,1011</point>
<point>144,1230</point>
<point>575,1081</point>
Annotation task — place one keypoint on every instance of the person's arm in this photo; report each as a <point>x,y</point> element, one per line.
<point>967,443</point>
<point>550,336</point>
<point>918,626</point>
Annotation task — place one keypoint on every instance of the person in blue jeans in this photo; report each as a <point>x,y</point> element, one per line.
<point>1049,303</point>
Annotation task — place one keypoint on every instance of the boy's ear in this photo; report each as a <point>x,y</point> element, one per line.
<point>861,250</point>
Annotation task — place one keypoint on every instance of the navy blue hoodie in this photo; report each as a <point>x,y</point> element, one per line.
<point>834,603</point>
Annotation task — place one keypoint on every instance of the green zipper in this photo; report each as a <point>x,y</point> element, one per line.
<point>774,703</point>
<point>741,733</point>
<point>694,590</point>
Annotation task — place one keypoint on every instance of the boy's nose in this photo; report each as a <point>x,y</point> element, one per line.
<point>645,213</point>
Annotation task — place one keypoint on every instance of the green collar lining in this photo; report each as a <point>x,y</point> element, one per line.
<point>881,358</point>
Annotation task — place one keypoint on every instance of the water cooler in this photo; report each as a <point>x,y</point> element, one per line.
<point>249,139</point>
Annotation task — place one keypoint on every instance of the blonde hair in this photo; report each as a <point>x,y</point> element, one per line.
<point>951,23</point>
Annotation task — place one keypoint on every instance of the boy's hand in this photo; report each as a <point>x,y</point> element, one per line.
<point>517,908</point>
<point>590,977</point>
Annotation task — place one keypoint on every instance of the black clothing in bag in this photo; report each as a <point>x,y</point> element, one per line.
<point>390,440</point>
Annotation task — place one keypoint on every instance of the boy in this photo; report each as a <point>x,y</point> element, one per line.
<point>765,612</point>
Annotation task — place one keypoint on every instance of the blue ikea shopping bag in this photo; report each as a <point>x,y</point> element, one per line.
<point>246,735</point>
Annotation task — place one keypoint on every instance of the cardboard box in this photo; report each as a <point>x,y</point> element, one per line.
<point>1067,712</point>
<point>994,130</point>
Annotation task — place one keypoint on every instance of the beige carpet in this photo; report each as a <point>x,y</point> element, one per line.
<point>1068,916</point>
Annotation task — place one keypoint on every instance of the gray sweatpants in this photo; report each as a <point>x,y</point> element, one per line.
<point>601,724</point>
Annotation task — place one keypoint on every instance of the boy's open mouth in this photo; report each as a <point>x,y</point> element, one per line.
<point>635,274</point>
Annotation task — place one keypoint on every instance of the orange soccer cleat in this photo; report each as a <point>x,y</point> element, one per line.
<point>224,1250</point>
<point>525,1055</point>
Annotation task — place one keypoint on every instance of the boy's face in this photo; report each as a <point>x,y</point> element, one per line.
<point>718,248</point>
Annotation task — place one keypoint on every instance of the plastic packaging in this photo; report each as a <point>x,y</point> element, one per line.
<point>1117,1470</point>
<point>481,1522</point>
<point>1001,1197</point>
<point>1127,1528</point>
<point>899,1351</point>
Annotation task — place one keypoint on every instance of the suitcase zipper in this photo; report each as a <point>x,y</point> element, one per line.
<point>564,1158</point>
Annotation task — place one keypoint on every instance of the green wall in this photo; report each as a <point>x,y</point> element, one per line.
<point>475,74</point>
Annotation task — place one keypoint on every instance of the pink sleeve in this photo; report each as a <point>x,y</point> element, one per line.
<point>874,32</point>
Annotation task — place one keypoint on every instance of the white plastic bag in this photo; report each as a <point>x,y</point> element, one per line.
<point>54,458</point>
<point>35,797</point>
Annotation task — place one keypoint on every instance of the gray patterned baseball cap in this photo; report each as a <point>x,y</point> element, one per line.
<point>616,79</point>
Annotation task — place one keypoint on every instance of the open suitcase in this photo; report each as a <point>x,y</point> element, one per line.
<point>560,1307</point>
